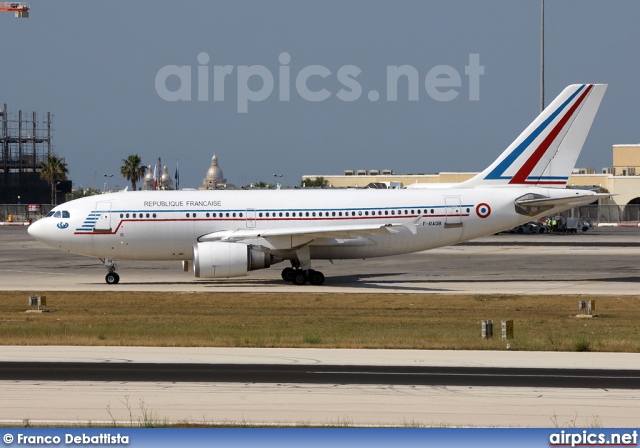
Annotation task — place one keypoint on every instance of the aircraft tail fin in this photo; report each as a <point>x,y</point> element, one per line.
<point>545,153</point>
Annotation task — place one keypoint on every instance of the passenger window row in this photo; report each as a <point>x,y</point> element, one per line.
<point>137,215</point>
<point>345,214</point>
<point>218,215</point>
<point>289,214</point>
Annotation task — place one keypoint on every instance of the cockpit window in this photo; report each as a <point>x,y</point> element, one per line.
<point>49,214</point>
<point>57,214</point>
<point>65,214</point>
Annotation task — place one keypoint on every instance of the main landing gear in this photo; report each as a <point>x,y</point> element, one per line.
<point>300,271</point>
<point>299,276</point>
<point>112,278</point>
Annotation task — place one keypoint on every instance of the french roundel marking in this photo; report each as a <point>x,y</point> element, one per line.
<point>483,210</point>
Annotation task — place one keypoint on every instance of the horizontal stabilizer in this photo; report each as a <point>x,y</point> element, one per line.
<point>572,201</point>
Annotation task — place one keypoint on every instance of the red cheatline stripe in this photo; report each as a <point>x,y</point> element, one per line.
<point>526,169</point>
<point>220,220</point>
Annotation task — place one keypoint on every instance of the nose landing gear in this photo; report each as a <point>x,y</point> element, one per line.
<point>112,278</point>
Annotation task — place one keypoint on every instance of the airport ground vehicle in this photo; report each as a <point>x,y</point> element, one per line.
<point>568,224</point>
<point>530,227</point>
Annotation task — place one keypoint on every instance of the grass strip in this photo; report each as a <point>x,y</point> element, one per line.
<point>323,320</point>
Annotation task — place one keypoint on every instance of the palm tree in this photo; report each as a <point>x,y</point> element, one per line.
<point>132,170</point>
<point>52,171</point>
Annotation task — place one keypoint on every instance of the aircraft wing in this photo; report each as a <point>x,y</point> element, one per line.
<point>567,200</point>
<point>337,231</point>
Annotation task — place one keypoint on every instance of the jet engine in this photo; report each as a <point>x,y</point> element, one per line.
<point>224,260</point>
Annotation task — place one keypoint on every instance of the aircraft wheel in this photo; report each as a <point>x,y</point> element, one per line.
<point>316,277</point>
<point>112,278</point>
<point>287,274</point>
<point>299,278</point>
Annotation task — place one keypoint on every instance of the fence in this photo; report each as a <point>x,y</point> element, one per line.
<point>21,212</point>
<point>607,213</point>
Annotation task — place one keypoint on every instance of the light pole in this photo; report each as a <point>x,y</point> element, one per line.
<point>542,59</point>
<point>55,195</point>
<point>107,176</point>
<point>277,182</point>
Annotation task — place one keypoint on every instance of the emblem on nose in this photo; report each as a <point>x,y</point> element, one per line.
<point>63,225</point>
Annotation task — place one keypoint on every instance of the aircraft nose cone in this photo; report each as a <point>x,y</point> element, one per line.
<point>35,230</point>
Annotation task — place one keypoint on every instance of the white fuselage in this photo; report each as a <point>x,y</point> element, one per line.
<point>164,225</point>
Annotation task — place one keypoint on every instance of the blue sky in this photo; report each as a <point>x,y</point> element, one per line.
<point>94,66</point>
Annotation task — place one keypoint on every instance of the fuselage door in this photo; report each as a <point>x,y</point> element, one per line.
<point>453,214</point>
<point>251,218</point>
<point>103,215</point>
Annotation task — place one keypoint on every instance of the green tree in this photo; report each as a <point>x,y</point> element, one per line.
<point>317,182</point>
<point>53,171</point>
<point>132,170</point>
<point>80,193</point>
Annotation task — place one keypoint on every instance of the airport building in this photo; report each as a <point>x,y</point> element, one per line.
<point>622,179</point>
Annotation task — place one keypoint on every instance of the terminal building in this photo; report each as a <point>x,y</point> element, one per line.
<point>622,180</point>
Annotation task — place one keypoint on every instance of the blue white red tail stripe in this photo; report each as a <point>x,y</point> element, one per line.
<point>521,177</point>
<point>546,151</point>
<point>498,172</point>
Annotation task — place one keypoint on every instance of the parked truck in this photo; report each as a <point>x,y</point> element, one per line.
<point>569,225</point>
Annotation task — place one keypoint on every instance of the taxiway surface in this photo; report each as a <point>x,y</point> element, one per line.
<point>600,262</point>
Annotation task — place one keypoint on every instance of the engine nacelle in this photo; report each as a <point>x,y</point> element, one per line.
<point>224,260</point>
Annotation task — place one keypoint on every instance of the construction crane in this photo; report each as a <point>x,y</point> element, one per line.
<point>21,9</point>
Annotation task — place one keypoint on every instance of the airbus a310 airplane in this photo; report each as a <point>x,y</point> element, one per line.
<point>228,233</point>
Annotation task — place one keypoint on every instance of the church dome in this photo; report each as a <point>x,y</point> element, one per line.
<point>149,174</point>
<point>214,177</point>
<point>148,179</point>
<point>214,173</point>
<point>165,180</point>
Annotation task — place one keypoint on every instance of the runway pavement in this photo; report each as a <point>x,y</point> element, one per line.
<point>601,261</point>
<point>314,374</point>
<point>334,402</point>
